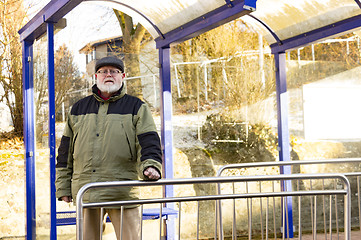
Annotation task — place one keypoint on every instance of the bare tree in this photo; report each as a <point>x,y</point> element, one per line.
<point>67,78</point>
<point>233,72</point>
<point>12,18</point>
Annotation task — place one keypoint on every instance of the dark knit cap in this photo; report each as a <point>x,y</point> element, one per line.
<point>109,61</point>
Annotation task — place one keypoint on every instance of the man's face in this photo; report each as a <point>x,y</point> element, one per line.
<point>109,79</point>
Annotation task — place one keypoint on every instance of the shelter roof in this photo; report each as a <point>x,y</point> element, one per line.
<point>281,22</point>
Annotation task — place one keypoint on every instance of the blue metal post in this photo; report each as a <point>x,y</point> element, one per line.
<point>283,134</point>
<point>29,138</point>
<point>167,129</point>
<point>51,92</point>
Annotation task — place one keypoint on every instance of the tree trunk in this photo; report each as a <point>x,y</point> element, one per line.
<point>132,37</point>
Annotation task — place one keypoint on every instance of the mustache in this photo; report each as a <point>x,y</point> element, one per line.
<point>108,80</point>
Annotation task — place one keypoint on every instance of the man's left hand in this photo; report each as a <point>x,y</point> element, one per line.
<point>151,173</point>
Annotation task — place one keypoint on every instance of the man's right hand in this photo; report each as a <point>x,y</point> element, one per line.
<point>67,199</point>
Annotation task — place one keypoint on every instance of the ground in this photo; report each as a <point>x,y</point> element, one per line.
<point>12,187</point>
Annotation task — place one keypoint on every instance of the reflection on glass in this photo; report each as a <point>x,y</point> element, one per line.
<point>324,92</point>
<point>42,167</point>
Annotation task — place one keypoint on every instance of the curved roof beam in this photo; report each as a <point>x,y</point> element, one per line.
<point>358,3</point>
<point>274,35</point>
<point>135,10</point>
<point>207,22</point>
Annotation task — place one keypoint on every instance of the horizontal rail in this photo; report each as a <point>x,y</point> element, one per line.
<point>80,205</point>
<point>300,163</point>
<point>289,163</point>
<point>215,197</point>
<point>182,181</point>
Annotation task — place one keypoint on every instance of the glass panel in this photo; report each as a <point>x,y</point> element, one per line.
<point>78,47</point>
<point>288,20</point>
<point>12,174</point>
<point>42,167</point>
<point>224,112</point>
<point>166,15</point>
<point>324,90</point>
<point>72,82</point>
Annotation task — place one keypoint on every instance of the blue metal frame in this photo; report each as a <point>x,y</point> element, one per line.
<point>42,23</point>
<point>56,9</point>
<point>29,138</point>
<point>52,140</point>
<point>278,49</point>
<point>207,22</point>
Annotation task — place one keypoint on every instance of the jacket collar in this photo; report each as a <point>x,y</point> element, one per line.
<point>116,96</point>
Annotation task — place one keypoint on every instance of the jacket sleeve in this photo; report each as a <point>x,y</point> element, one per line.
<point>64,165</point>
<point>148,146</point>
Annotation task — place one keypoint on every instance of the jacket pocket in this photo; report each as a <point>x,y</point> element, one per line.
<point>131,144</point>
<point>75,146</point>
<point>116,143</point>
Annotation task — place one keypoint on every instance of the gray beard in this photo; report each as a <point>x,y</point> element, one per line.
<point>109,88</point>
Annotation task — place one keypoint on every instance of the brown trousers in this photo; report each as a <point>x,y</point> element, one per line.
<point>130,223</point>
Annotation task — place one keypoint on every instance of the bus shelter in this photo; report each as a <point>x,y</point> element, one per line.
<point>285,25</point>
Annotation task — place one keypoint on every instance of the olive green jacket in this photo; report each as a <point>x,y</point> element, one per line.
<point>106,140</point>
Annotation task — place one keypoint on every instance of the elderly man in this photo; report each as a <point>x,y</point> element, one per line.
<point>109,136</point>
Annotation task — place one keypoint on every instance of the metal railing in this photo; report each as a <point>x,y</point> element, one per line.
<point>328,214</point>
<point>216,198</point>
